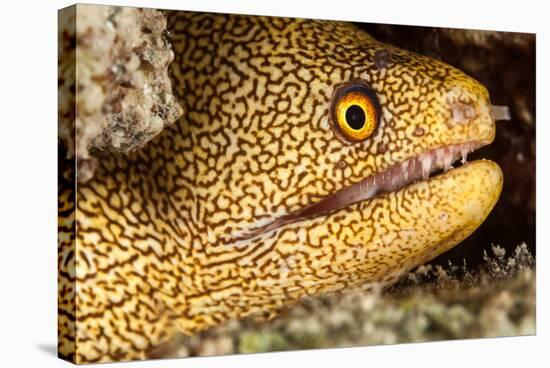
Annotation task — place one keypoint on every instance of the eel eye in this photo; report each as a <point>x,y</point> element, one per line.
<point>355,111</point>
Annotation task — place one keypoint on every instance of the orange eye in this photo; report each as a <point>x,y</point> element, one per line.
<point>355,111</point>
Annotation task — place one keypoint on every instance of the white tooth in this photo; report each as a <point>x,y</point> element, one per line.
<point>404,174</point>
<point>404,166</point>
<point>439,155</point>
<point>426,165</point>
<point>448,160</point>
<point>464,152</point>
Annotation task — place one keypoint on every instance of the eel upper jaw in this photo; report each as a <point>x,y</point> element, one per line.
<point>392,179</point>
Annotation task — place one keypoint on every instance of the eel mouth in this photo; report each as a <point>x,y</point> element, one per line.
<point>426,165</point>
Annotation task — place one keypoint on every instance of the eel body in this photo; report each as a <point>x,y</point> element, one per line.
<point>271,187</point>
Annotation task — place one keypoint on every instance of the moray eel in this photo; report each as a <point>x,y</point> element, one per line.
<point>310,159</point>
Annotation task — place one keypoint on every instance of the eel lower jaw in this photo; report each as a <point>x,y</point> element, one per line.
<point>422,167</point>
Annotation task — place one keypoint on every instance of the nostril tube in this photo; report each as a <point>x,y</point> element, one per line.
<point>462,113</point>
<point>500,112</point>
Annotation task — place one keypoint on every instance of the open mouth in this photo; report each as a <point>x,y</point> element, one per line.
<point>422,167</point>
<point>428,164</point>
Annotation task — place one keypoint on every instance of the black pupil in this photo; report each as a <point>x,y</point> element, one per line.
<point>355,117</point>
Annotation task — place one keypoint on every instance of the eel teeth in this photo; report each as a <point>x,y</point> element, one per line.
<point>464,152</point>
<point>447,160</point>
<point>404,166</point>
<point>426,161</point>
<point>440,155</point>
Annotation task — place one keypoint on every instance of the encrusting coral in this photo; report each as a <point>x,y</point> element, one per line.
<point>124,96</point>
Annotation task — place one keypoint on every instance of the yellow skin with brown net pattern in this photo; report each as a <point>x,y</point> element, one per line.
<point>204,224</point>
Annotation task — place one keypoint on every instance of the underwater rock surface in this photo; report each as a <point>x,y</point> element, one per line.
<point>430,304</point>
<point>124,96</point>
